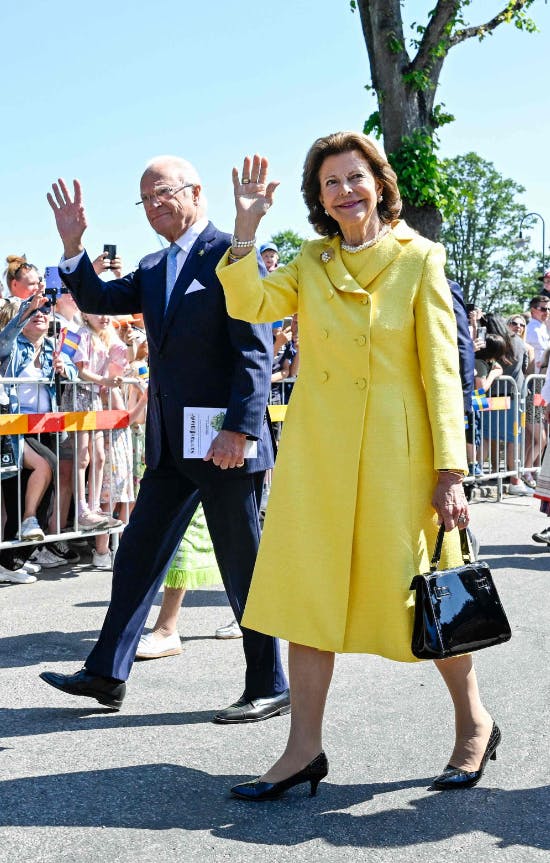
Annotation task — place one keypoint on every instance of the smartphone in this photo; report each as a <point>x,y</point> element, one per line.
<point>287,322</point>
<point>54,285</point>
<point>110,249</point>
<point>481,335</point>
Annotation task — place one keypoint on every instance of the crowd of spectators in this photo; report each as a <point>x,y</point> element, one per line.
<point>507,352</point>
<point>86,482</point>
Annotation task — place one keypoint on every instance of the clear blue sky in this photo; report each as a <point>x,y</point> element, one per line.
<point>95,89</point>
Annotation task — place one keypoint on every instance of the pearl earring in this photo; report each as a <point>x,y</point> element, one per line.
<point>325,212</point>
<point>380,198</point>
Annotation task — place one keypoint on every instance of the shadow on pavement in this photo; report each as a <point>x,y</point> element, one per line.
<point>533,557</point>
<point>26,722</point>
<point>17,651</point>
<point>188,799</point>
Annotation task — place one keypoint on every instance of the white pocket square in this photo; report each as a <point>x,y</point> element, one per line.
<point>195,286</point>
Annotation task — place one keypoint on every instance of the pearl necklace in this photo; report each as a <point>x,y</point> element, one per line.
<point>354,249</point>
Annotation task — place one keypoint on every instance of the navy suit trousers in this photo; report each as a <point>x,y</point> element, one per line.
<point>167,500</point>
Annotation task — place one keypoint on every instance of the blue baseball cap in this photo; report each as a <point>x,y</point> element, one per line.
<point>269,247</point>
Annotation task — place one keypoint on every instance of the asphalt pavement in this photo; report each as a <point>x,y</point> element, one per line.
<point>81,783</point>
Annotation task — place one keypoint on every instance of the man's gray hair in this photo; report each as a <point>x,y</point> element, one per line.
<point>185,171</point>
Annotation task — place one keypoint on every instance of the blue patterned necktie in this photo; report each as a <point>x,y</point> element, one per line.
<point>171,270</point>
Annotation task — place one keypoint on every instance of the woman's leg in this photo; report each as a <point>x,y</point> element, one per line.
<point>473,723</point>
<point>167,620</point>
<point>310,673</point>
<point>95,475</point>
<point>39,480</point>
<point>82,458</point>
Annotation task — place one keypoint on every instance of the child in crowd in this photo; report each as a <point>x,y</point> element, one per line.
<point>101,360</point>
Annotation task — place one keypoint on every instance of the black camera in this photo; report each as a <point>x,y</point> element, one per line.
<point>54,327</point>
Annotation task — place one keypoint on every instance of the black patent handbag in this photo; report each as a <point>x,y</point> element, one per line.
<point>456,610</point>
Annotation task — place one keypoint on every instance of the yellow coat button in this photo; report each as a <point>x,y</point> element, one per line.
<point>324,334</point>
<point>365,301</point>
<point>330,294</point>
<point>361,383</point>
<point>362,340</point>
<point>324,377</point>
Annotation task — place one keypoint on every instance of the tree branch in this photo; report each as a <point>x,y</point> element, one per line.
<point>434,33</point>
<point>483,29</point>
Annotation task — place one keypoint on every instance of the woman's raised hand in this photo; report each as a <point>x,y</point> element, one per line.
<point>253,194</point>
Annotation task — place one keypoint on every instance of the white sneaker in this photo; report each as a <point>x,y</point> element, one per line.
<point>91,521</point>
<point>231,630</point>
<point>529,480</point>
<point>520,489</point>
<point>102,561</point>
<point>109,519</point>
<point>33,568</point>
<point>30,529</point>
<point>47,559</point>
<point>153,646</point>
<point>16,576</point>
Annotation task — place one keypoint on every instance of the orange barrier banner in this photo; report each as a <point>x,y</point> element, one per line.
<point>14,424</point>
<point>499,403</point>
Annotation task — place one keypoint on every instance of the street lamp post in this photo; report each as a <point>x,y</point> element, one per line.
<point>524,241</point>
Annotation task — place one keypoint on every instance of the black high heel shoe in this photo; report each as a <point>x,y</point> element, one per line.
<point>257,790</point>
<point>454,777</point>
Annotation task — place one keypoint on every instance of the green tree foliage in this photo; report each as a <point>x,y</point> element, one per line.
<point>480,231</point>
<point>289,244</point>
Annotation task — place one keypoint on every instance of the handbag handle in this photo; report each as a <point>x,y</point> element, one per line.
<point>464,547</point>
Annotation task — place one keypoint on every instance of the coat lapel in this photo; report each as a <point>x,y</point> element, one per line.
<point>382,256</point>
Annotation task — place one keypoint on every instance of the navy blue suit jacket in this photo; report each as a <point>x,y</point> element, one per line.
<point>465,345</point>
<point>198,355</point>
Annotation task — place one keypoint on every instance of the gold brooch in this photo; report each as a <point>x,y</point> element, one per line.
<point>327,255</point>
<point>201,253</point>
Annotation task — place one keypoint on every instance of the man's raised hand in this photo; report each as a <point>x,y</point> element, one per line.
<point>69,215</point>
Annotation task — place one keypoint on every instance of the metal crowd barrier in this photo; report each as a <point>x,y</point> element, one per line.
<point>507,442</point>
<point>60,426</point>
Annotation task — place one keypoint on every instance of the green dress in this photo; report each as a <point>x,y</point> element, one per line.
<point>194,564</point>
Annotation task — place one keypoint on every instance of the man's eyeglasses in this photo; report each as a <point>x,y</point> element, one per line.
<point>162,193</point>
<point>543,308</point>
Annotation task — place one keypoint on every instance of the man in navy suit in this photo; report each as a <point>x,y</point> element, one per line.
<point>199,357</point>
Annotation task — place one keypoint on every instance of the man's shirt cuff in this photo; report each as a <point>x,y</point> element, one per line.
<point>69,265</point>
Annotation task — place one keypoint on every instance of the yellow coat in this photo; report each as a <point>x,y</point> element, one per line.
<point>376,410</point>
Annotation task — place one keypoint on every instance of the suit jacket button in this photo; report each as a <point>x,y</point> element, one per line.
<point>361,340</point>
<point>324,334</point>
<point>324,377</point>
<point>361,383</point>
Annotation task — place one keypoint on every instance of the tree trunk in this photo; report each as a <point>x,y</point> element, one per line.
<point>426,220</point>
<point>404,107</point>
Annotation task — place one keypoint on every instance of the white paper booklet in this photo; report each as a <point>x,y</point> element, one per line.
<point>200,427</point>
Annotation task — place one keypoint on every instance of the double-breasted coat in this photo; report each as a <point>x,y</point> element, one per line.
<point>377,409</point>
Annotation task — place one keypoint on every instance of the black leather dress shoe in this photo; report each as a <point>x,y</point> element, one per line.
<point>90,685</point>
<point>255,710</point>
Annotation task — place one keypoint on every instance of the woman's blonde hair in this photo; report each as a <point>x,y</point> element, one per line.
<point>16,263</point>
<point>8,310</point>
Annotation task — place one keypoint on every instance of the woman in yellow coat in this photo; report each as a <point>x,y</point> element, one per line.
<point>373,448</point>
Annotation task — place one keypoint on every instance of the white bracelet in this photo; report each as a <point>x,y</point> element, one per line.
<point>242,244</point>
